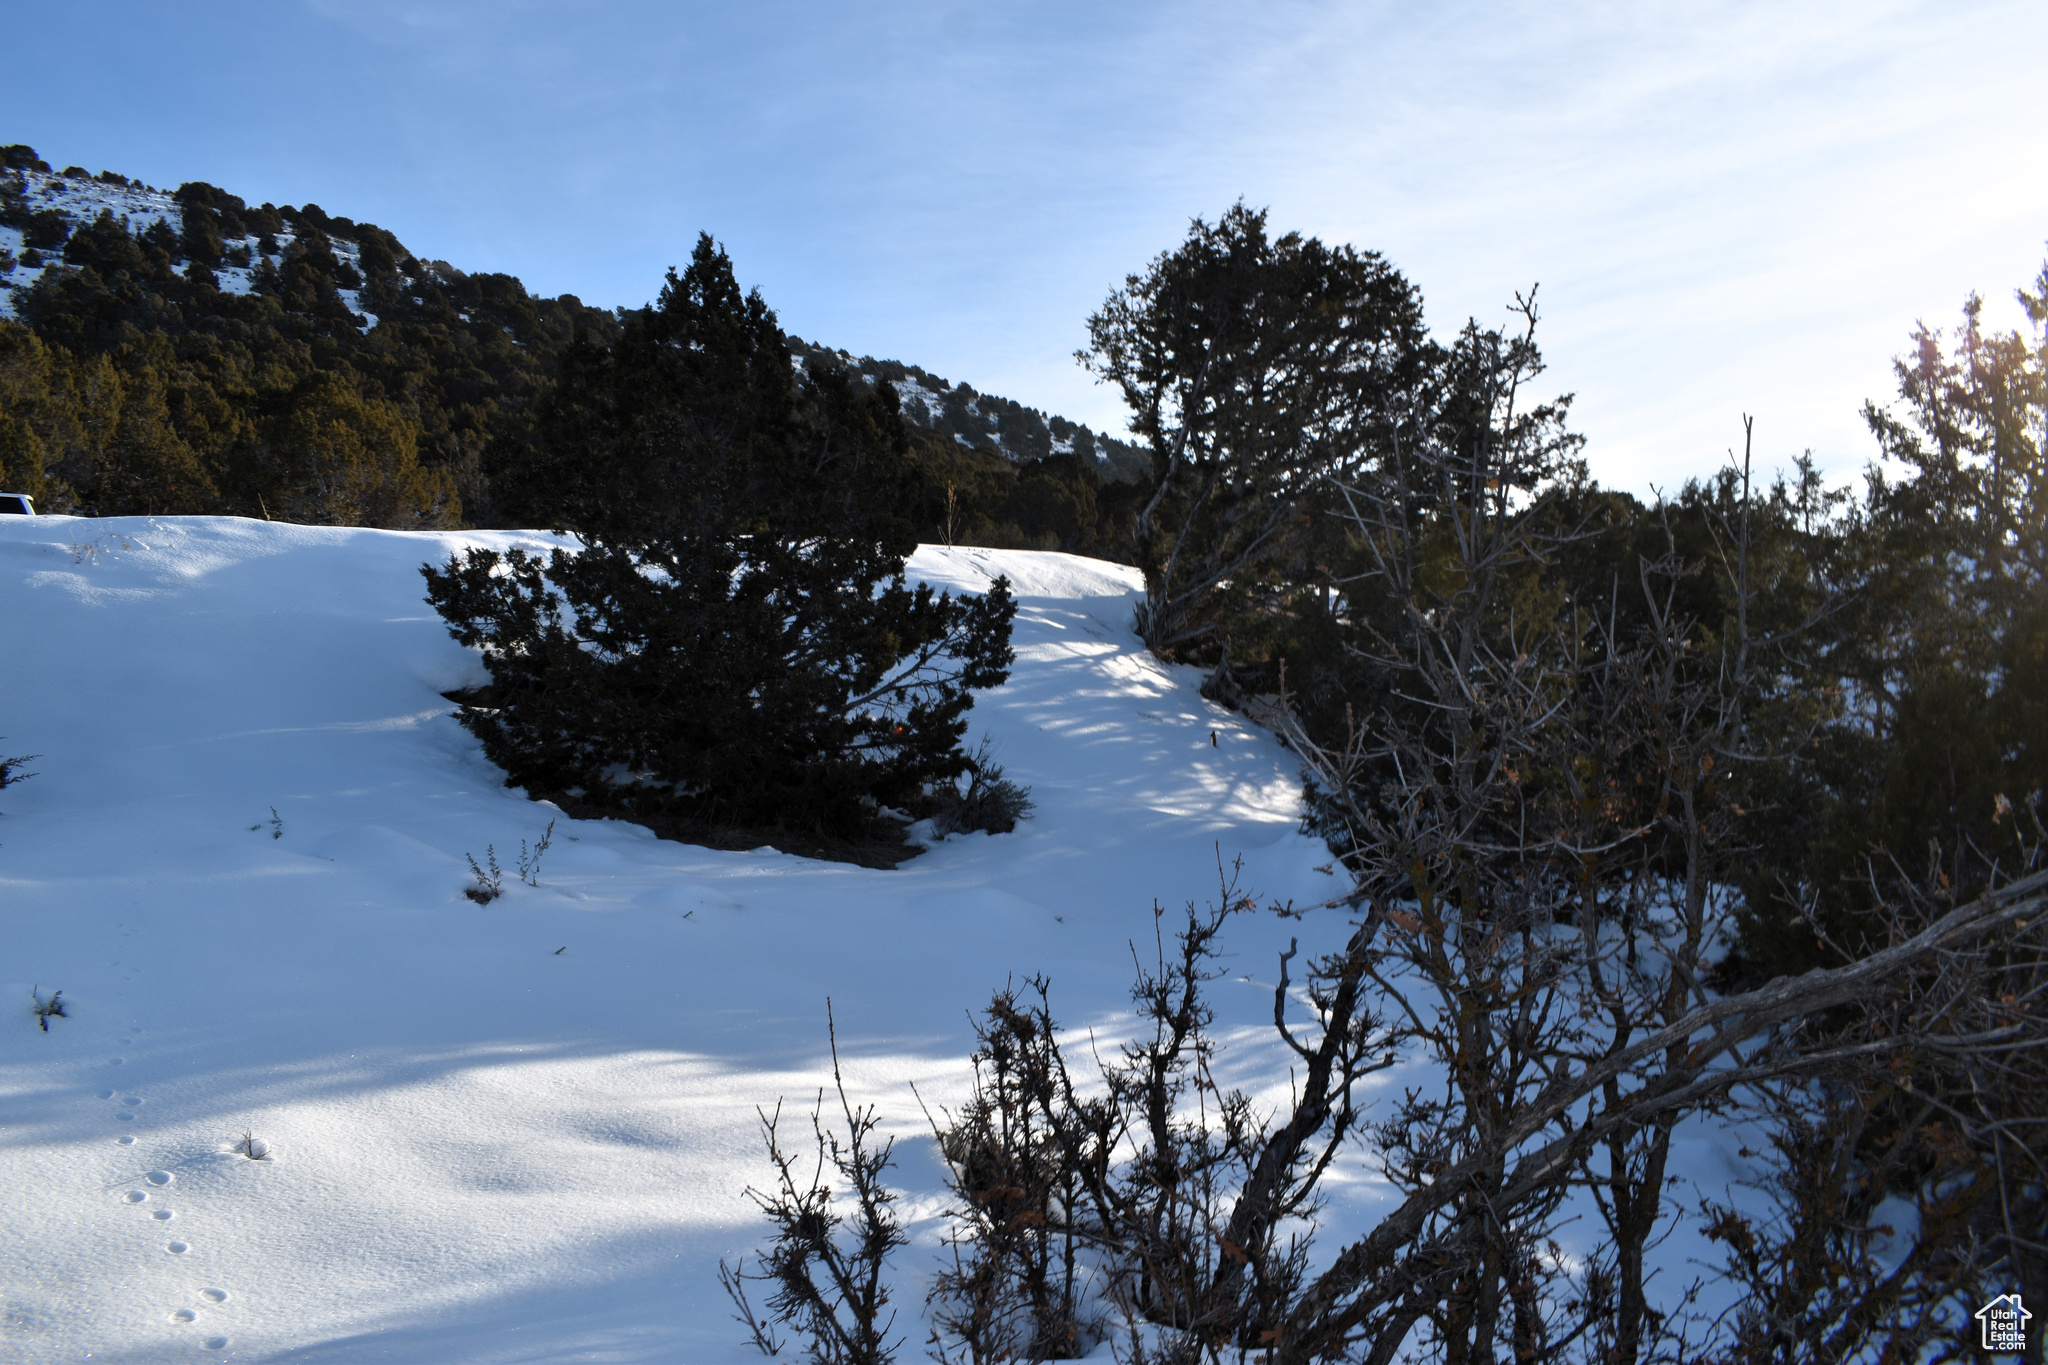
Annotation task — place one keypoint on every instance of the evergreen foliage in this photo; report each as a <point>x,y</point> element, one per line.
<point>11,769</point>
<point>1938,661</point>
<point>1889,723</point>
<point>980,497</point>
<point>1257,369</point>
<point>134,381</point>
<point>1890,729</point>
<point>44,228</point>
<point>735,641</point>
<point>1567,745</point>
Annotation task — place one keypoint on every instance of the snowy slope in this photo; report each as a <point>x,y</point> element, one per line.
<point>522,1132</point>
<point>137,206</point>
<point>80,201</point>
<point>486,1149</point>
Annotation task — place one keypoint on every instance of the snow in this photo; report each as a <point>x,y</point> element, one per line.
<point>523,1132</point>
<point>911,391</point>
<point>482,1148</point>
<point>352,299</point>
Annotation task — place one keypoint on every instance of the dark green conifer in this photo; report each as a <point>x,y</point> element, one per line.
<point>105,245</point>
<point>736,640</point>
<point>200,240</point>
<point>160,236</point>
<point>45,228</point>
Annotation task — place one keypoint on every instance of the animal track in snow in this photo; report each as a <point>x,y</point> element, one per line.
<point>216,1343</point>
<point>159,1177</point>
<point>217,1295</point>
<point>126,1139</point>
<point>132,1101</point>
<point>135,1196</point>
<point>162,1215</point>
<point>177,1248</point>
<point>106,1094</point>
<point>115,1061</point>
<point>184,1315</point>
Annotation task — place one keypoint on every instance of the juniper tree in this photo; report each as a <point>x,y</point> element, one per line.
<point>1256,368</point>
<point>735,640</point>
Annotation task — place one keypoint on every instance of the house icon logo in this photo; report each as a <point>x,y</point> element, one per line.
<point>2005,1324</point>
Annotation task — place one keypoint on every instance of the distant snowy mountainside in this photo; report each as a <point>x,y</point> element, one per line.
<point>65,200</point>
<point>80,200</point>
<point>986,421</point>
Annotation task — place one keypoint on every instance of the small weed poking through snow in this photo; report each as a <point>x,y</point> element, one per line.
<point>990,802</point>
<point>276,823</point>
<point>529,865</point>
<point>46,1010</point>
<point>251,1147</point>
<point>490,878</point>
<point>105,543</point>
<point>489,885</point>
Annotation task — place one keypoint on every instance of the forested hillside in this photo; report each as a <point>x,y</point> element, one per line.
<point>985,422</point>
<point>187,352</point>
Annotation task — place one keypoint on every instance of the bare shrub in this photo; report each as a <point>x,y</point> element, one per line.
<point>827,1267</point>
<point>46,1010</point>
<point>989,801</point>
<point>1015,1285</point>
<point>489,884</point>
<point>1907,1180</point>
<point>529,863</point>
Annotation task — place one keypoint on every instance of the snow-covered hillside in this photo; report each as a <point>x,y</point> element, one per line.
<point>80,200</point>
<point>519,1132</point>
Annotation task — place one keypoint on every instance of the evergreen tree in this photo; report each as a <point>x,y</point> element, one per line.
<point>735,641</point>
<point>25,402</point>
<point>45,228</point>
<point>1257,369</point>
<point>105,244</point>
<point>1941,653</point>
<point>160,238</point>
<point>347,460</point>
<point>200,234</point>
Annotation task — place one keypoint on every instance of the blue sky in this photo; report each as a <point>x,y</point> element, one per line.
<point>1729,207</point>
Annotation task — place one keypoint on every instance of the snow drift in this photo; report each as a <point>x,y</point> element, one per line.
<point>519,1132</point>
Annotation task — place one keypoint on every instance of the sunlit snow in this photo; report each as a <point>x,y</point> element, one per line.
<point>519,1132</point>
<point>483,1148</point>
